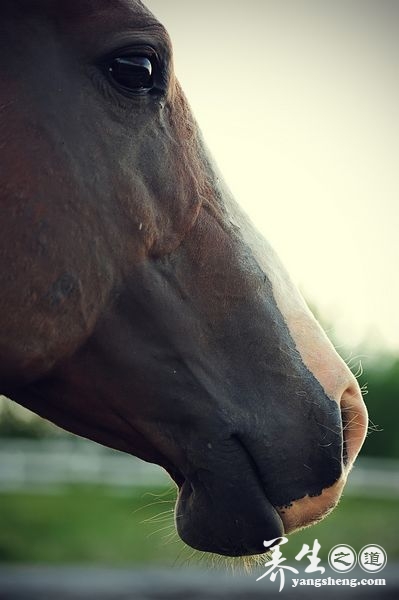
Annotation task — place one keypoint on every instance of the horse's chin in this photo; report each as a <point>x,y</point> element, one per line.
<point>226,519</point>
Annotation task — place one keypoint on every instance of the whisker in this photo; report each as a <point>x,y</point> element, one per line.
<point>157,531</point>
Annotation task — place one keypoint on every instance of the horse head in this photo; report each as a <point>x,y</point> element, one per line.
<point>139,306</point>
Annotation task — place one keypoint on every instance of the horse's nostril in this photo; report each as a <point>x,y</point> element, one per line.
<point>354,422</point>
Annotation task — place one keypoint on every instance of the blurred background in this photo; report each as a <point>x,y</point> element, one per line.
<point>297,101</point>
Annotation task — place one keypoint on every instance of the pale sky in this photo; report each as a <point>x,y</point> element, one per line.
<point>298,101</point>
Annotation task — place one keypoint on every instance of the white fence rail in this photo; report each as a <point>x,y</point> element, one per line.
<point>30,464</point>
<point>27,464</point>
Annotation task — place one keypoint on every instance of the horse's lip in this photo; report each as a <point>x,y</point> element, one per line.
<point>224,509</point>
<point>227,520</point>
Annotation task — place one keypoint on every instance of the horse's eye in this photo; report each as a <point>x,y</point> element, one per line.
<point>132,73</point>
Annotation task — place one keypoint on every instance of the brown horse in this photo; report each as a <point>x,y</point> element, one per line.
<point>139,307</point>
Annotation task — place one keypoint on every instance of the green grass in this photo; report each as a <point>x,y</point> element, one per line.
<point>85,525</point>
<point>93,525</point>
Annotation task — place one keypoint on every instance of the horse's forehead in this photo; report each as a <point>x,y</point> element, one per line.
<point>91,25</point>
<point>81,12</point>
<point>102,10</point>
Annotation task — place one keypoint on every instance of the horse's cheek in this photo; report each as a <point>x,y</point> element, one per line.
<point>174,191</point>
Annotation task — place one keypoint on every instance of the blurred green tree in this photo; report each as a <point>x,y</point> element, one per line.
<point>16,421</point>
<point>382,380</point>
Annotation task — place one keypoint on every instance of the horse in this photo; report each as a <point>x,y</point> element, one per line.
<point>139,306</point>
